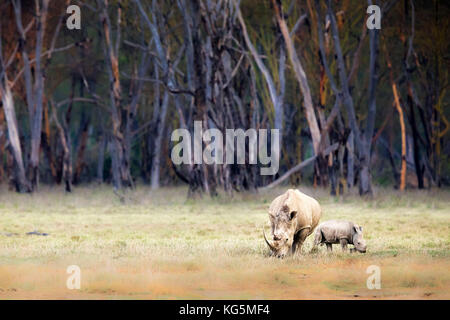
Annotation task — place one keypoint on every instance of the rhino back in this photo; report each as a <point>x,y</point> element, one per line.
<point>310,211</point>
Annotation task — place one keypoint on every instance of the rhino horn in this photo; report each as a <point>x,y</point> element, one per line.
<point>267,241</point>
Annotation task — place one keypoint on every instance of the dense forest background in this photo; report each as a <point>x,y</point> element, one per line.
<point>355,107</point>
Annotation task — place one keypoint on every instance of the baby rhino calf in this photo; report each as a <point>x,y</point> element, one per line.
<point>343,232</point>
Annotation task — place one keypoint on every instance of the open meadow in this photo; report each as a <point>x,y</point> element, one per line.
<point>159,245</point>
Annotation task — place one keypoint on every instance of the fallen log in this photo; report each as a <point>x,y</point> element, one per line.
<point>298,167</point>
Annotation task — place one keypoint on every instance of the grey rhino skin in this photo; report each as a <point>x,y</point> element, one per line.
<point>293,217</point>
<point>343,232</point>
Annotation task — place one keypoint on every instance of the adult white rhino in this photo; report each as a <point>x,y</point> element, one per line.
<point>293,217</point>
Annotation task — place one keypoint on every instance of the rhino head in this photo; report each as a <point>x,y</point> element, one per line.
<point>283,225</point>
<point>358,240</point>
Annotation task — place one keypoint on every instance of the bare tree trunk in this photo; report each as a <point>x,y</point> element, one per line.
<point>332,161</point>
<point>101,158</point>
<point>28,79</point>
<point>135,92</point>
<point>365,176</point>
<point>46,143</point>
<point>14,148</point>
<point>363,143</point>
<point>164,58</point>
<point>34,76</point>
<point>411,103</point>
<point>301,77</point>
<point>64,136</point>
<point>389,149</point>
<point>39,91</point>
<point>336,109</point>
<point>115,170</point>
<point>12,180</point>
<point>2,142</point>
<point>160,126</point>
<point>415,132</point>
<point>21,182</point>
<point>348,100</point>
<point>82,141</point>
<point>123,176</point>
<point>402,123</point>
<point>403,135</point>
<point>350,161</point>
<point>34,92</point>
<point>276,97</point>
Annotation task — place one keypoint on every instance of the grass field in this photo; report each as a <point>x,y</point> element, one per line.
<point>159,245</point>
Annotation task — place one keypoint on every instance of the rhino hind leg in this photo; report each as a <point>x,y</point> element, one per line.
<point>329,247</point>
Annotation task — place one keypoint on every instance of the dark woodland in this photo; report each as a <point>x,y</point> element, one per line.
<point>356,108</point>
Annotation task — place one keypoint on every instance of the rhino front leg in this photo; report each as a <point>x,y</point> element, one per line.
<point>299,238</point>
<point>329,247</point>
<point>343,243</point>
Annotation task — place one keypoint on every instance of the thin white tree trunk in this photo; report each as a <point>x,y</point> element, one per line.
<point>156,161</point>
<point>13,136</point>
<point>275,97</point>
<point>301,78</point>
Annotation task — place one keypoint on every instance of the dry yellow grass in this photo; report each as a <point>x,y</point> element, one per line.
<point>159,245</point>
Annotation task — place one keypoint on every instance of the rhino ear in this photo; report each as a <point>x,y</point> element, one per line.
<point>293,214</point>
<point>356,228</point>
<point>360,228</point>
